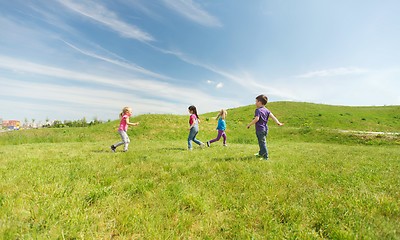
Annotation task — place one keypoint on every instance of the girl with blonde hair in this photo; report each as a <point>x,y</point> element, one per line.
<point>221,127</point>
<point>123,128</point>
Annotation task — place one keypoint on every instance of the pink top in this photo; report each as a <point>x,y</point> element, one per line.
<point>192,119</point>
<point>122,125</point>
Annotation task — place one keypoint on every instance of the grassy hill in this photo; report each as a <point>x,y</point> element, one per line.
<point>295,114</point>
<point>319,183</point>
<point>303,122</point>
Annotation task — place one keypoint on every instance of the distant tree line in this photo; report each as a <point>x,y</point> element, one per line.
<point>76,123</point>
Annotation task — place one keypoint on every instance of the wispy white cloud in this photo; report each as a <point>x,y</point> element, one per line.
<point>141,85</point>
<point>106,99</point>
<point>51,17</point>
<point>244,78</point>
<point>146,7</point>
<point>193,11</point>
<point>213,83</point>
<point>23,34</point>
<point>106,17</point>
<point>124,64</point>
<point>171,93</point>
<point>333,72</point>
<point>347,89</point>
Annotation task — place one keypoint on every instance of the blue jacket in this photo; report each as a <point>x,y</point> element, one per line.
<point>221,124</point>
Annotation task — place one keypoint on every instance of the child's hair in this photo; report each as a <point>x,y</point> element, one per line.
<point>193,108</point>
<point>222,112</point>
<point>124,110</point>
<point>262,98</point>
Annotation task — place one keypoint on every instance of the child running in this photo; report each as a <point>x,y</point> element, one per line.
<point>260,119</point>
<point>123,128</point>
<point>221,127</point>
<point>194,127</point>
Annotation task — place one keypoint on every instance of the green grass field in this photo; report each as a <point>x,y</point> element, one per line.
<point>319,183</point>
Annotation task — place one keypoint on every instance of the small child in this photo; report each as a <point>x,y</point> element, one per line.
<point>260,119</point>
<point>194,127</point>
<point>221,127</point>
<point>123,128</point>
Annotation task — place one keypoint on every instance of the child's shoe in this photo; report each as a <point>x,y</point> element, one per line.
<point>208,144</point>
<point>202,145</point>
<point>225,145</point>
<point>112,148</point>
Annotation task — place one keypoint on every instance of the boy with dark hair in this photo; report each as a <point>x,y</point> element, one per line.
<point>260,120</point>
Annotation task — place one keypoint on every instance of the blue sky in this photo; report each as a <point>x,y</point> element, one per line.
<point>69,59</point>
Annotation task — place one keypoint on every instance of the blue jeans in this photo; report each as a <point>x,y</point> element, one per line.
<point>262,142</point>
<point>192,136</point>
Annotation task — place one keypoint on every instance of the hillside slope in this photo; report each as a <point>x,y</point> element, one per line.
<point>303,122</point>
<point>296,114</point>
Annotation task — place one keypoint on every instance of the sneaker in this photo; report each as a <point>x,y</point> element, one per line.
<point>202,145</point>
<point>257,155</point>
<point>112,148</point>
<point>208,144</point>
<point>225,145</point>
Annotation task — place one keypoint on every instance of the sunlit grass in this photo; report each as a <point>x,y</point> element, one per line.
<point>161,190</point>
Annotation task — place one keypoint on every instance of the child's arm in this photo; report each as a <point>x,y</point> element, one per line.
<point>131,124</point>
<point>191,125</point>
<point>275,119</point>
<point>253,122</point>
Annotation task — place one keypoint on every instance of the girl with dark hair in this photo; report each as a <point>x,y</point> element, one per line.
<point>194,127</point>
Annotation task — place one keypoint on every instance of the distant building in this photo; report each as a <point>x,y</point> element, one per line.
<point>11,123</point>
